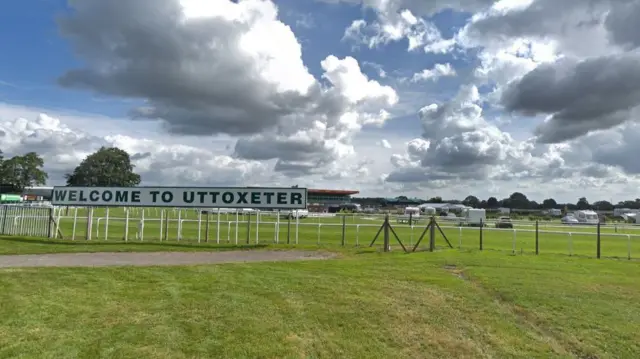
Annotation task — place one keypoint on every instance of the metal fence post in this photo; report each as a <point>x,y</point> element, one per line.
<point>481,226</point>
<point>537,240</point>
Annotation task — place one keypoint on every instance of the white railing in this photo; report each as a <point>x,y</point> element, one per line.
<point>261,226</point>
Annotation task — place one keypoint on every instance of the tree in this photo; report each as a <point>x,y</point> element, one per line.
<point>518,200</point>
<point>549,203</point>
<point>583,203</point>
<point>107,167</point>
<point>492,202</point>
<point>471,201</point>
<point>603,205</point>
<point>24,171</point>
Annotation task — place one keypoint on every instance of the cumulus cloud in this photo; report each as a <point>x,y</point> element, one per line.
<point>206,68</point>
<point>63,148</point>
<point>583,96</point>
<point>433,74</point>
<point>391,27</point>
<point>577,67</point>
<point>457,143</point>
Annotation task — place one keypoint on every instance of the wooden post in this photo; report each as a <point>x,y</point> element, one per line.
<point>537,239</point>
<point>386,233</point>
<point>344,229</point>
<point>598,241</point>
<point>481,226</point>
<point>432,235</point>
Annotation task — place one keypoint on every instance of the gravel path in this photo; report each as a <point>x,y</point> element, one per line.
<point>153,258</point>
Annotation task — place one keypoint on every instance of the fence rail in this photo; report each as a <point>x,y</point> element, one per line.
<point>620,240</point>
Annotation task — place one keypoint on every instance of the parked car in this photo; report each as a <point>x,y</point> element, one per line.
<point>504,222</point>
<point>569,220</point>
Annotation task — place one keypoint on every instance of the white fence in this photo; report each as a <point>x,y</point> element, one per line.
<point>25,221</point>
<point>151,224</point>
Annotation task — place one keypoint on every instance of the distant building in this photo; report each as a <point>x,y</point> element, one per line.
<point>321,199</point>
<point>38,193</point>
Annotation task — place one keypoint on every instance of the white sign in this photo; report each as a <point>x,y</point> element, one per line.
<point>194,197</point>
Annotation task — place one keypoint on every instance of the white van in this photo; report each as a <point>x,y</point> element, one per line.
<point>296,213</point>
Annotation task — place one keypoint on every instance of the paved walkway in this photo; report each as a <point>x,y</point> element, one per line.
<point>153,258</point>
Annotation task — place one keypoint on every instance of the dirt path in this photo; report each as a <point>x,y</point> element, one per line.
<point>153,258</point>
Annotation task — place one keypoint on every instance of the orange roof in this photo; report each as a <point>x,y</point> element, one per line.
<point>331,191</point>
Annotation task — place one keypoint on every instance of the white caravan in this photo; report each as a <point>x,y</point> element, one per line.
<point>474,217</point>
<point>586,217</point>
<point>412,213</point>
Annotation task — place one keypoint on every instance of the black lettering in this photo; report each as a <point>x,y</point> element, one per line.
<point>122,196</point>
<point>188,197</point>
<point>73,196</point>
<point>242,197</point>
<point>214,196</point>
<point>107,196</point>
<point>269,195</point>
<point>167,196</point>
<point>296,198</point>
<point>282,198</point>
<point>202,194</point>
<point>255,198</point>
<point>59,195</point>
<point>94,196</point>
<point>154,196</point>
<point>135,196</point>
<point>227,197</point>
<point>82,197</point>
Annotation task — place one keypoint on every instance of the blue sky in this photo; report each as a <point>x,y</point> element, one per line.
<point>473,147</point>
<point>39,55</point>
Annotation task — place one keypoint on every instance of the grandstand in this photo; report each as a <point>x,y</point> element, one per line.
<point>318,200</point>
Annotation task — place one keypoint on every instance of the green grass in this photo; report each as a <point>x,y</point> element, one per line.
<point>447,304</point>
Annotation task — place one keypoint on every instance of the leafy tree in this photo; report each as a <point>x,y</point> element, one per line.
<point>21,172</point>
<point>518,200</point>
<point>549,203</point>
<point>107,167</point>
<point>603,205</point>
<point>583,203</point>
<point>435,200</point>
<point>471,201</point>
<point>492,202</point>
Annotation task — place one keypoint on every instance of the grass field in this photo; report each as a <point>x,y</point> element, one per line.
<point>366,304</point>
<point>621,241</point>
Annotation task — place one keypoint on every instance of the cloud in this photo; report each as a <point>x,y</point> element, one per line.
<point>63,148</point>
<point>433,74</point>
<point>203,68</point>
<point>580,96</point>
<point>456,143</point>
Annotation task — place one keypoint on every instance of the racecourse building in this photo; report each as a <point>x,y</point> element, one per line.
<point>319,200</point>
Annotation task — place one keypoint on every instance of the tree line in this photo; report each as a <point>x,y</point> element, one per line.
<point>107,167</point>
<point>516,200</point>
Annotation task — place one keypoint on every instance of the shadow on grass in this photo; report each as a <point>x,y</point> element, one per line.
<point>96,244</point>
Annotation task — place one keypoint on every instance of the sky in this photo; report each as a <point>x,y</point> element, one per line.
<point>419,98</point>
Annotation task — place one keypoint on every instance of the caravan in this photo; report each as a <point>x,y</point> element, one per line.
<point>411,214</point>
<point>586,217</point>
<point>474,217</point>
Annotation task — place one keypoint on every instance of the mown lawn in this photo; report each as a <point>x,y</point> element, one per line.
<point>448,304</point>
